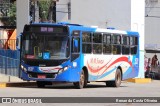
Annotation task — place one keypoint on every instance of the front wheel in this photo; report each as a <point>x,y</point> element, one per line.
<point>117,81</point>
<point>40,84</point>
<point>82,83</point>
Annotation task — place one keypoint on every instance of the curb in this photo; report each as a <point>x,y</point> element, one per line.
<point>17,84</point>
<point>140,80</point>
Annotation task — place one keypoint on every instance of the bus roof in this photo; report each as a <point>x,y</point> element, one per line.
<point>117,31</point>
<point>81,27</point>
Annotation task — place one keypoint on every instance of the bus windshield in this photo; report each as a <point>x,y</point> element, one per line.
<point>45,46</point>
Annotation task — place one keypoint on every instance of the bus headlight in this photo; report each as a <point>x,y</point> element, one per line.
<point>63,69</point>
<point>23,68</point>
<point>60,71</point>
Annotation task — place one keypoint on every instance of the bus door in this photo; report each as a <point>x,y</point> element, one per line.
<point>75,55</point>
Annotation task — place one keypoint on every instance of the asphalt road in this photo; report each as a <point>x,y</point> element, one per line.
<point>92,90</point>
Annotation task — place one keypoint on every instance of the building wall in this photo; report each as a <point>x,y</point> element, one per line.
<point>152,27</point>
<point>62,11</point>
<point>137,24</point>
<point>102,13</point>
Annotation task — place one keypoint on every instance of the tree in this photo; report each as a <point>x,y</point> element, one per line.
<point>10,18</point>
<point>47,10</point>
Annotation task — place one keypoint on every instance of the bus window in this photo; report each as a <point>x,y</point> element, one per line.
<point>106,43</point>
<point>116,44</point>
<point>97,43</point>
<point>97,38</point>
<point>116,49</point>
<point>107,38</point>
<point>116,39</point>
<point>31,45</point>
<point>39,46</point>
<point>86,37</point>
<point>125,45</point>
<point>86,42</point>
<point>106,49</point>
<point>75,48</point>
<point>97,48</point>
<point>133,40</point>
<point>76,45</point>
<point>86,48</point>
<point>133,44</point>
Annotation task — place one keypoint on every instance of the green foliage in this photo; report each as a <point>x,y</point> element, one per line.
<point>44,9</point>
<point>10,19</point>
<point>12,15</point>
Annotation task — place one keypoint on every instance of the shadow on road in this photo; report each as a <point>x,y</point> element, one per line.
<point>70,86</point>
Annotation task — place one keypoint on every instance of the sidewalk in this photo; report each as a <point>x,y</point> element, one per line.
<point>7,78</point>
<point>11,81</point>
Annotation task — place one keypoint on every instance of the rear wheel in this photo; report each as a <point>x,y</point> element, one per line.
<point>83,82</point>
<point>117,81</point>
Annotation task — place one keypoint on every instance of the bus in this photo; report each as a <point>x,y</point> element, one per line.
<point>64,52</point>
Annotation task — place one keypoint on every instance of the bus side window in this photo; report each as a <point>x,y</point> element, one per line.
<point>116,39</point>
<point>86,42</point>
<point>125,45</point>
<point>116,44</point>
<point>97,43</point>
<point>134,44</point>
<point>106,43</point>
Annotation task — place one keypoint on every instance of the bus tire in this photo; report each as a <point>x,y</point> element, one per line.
<point>41,84</point>
<point>117,81</point>
<point>82,83</point>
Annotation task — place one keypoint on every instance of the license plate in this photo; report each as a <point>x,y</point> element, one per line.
<point>41,76</point>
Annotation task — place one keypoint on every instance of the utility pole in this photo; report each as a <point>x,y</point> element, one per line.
<point>22,12</point>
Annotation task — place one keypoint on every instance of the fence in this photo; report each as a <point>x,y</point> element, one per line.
<point>9,61</point>
<point>9,66</point>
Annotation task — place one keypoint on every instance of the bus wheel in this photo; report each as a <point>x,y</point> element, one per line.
<point>82,81</point>
<point>41,84</point>
<point>117,81</point>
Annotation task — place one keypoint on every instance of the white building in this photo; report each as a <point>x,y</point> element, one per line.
<point>152,26</point>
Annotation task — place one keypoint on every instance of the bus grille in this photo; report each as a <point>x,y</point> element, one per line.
<point>47,75</point>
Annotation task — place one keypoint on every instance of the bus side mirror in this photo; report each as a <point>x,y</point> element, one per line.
<point>18,42</point>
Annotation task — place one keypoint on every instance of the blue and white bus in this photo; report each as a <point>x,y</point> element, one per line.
<point>74,53</point>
